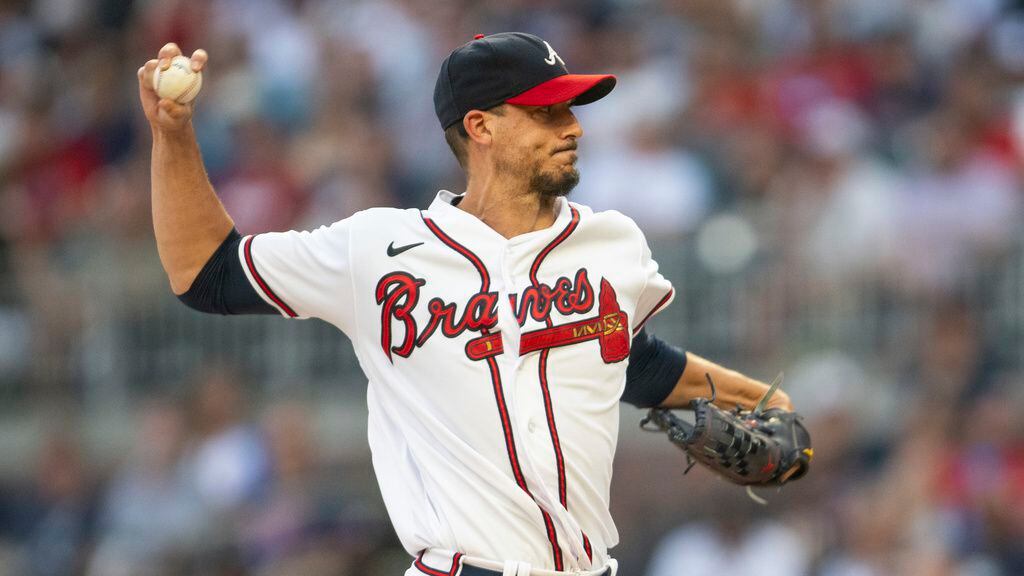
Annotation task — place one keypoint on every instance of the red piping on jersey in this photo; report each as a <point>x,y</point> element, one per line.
<point>422,567</point>
<point>558,240</point>
<point>586,546</point>
<point>510,446</point>
<point>247,250</point>
<point>542,369</point>
<point>485,279</point>
<point>499,394</point>
<point>658,306</point>
<point>543,364</point>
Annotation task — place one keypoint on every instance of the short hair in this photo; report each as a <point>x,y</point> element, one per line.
<point>457,137</point>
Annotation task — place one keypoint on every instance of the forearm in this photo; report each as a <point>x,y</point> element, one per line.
<point>731,387</point>
<point>189,220</point>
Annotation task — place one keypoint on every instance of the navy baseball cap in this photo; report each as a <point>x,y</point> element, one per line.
<point>511,67</point>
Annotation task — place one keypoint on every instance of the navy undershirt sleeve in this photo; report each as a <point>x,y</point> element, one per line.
<point>222,286</point>
<point>653,372</point>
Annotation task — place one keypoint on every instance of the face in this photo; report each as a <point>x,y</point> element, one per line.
<point>538,144</point>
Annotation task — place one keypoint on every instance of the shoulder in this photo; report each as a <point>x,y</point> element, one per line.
<point>380,219</point>
<point>385,214</point>
<point>612,223</point>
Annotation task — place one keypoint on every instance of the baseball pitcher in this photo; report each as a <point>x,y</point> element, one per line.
<point>499,328</point>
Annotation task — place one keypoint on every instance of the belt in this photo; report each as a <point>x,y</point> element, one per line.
<point>439,563</point>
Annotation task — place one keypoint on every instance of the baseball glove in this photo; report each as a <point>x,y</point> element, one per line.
<point>750,448</point>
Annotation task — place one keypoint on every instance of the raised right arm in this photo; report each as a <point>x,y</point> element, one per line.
<point>189,221</point>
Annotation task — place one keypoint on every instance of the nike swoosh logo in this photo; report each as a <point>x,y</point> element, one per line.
<point>392,251</point>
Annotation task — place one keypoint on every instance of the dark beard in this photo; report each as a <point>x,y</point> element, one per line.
<point>554,186</point>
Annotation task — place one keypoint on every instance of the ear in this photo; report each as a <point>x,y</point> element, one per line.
<point>478,126</point>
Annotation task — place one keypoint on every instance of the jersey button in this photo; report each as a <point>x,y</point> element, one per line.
<point>531,426</point>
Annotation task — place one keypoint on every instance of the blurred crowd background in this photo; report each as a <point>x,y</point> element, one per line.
<point>834,186</point>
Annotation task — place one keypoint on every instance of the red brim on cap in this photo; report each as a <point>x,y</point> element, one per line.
<point>585,88</point>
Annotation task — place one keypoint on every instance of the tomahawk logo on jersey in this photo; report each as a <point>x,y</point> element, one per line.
<point>495,366</point>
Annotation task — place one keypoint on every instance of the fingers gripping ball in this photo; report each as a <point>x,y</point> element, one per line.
<point>178,82</point>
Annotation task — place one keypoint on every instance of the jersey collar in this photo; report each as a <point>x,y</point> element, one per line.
<point>444,206</point>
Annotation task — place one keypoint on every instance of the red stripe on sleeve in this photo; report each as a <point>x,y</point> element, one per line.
<point>261,282</point>
<point>657,307</point>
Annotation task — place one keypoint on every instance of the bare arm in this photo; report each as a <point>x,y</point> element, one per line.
<point>189,220</point>
<point>731,387</point>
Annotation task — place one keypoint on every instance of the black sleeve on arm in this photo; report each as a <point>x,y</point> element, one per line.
<point>654,370</point>
<point>222,286</point>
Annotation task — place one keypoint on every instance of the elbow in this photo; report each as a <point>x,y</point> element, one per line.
<point>199,303</point>
<point>179,284</point>
<point>200,294</point>
<point>182,281</point>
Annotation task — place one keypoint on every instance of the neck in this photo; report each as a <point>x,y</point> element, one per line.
<point>509,208</point>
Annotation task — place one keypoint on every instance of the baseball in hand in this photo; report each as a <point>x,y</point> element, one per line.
<point>179,82</point>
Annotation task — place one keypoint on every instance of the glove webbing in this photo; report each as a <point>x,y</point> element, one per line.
<point>734,453</point>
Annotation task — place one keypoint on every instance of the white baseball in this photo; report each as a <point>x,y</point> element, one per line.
<point>179,82</point>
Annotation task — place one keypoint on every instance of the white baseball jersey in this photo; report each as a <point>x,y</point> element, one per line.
<point>495,366</point>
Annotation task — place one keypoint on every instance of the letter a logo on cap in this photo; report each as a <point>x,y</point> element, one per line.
<point>513,67</point>
<point>552,55</point>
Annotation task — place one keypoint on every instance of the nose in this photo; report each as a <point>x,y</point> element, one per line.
<point>573,129</point>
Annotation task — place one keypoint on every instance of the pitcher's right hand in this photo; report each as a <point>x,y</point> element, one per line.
<point>165,114</point>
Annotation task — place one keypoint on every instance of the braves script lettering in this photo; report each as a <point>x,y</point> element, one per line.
<point>398,294</point>
<point>566,296</point>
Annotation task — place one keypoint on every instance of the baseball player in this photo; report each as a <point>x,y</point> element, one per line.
<point>499,328</point>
